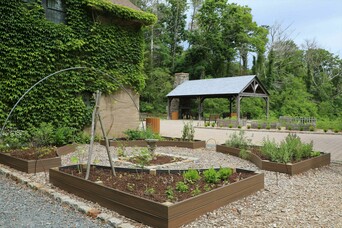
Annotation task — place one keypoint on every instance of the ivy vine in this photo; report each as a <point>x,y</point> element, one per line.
<point>97,34</point>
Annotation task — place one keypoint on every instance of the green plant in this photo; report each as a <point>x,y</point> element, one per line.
<point>230,125</point>
<point>191,176</point>
<point>325,130</point>
<point>182,187</point>
<point>211,176</point>
<point>279,128</point>
<point>14,139</point>
<point>259,126</point>
<point>268,127</point>
<point>196,191</point>
<point>188,132</point>
<point>144,157</point>
<point>141,134</point>
<point>207,187</point>
<point>149,191</point>
<point>64,135</point>
<point>82,137</point>
<point>121,150</point>
<point>213,124</point>
<point>225,173</point>
<point>248,126</point>
<point>43,135</point>
<point>41,152</point>
<point>169,193</point>
<point>244,153</point>
<point>269,149</point>
<point>315,153</point>
<point>311,128</point>
<point>238,140</point>
<point>130,187</point>
<point>45,47</point>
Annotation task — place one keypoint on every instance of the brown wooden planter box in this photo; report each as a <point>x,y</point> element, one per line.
<point>172,143</point>
<point>35,166</point>
<point>153,213</point>
<point>289,168</point>
<point>30,166</point>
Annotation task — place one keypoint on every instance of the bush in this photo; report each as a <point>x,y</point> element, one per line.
<point>141,134</point>
<point>188,132</point>
<point>42,136</point>
<point>238,140</point>
<point>291,149</point>
<point>14,139</point>
<point>64,135</point>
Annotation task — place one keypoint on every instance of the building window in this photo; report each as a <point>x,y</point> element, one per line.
<point>54,10</point>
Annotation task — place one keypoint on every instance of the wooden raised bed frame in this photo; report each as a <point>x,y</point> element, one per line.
<point>171,143</point>
<point>153,213</point>
<point>289,168</point>
<point>35,166</point>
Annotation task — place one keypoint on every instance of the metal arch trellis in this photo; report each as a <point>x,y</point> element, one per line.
<point>95,112</point>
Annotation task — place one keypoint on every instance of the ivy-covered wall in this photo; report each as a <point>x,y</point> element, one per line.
<point>96,34</point>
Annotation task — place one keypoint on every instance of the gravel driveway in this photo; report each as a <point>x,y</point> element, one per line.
<point>23,207</point>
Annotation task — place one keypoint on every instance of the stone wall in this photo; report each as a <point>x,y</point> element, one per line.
<point>118,113</point>
<point>179,79</point>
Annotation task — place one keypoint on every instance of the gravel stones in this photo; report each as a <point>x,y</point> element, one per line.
<point>310,199</point>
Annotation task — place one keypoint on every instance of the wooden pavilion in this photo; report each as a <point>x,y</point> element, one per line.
<point>232,88</point>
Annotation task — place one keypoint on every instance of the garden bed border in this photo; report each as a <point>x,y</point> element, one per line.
<point>196,144</point>
<point>289,168</point>
<point>35,166</point>
<point>153,213</point>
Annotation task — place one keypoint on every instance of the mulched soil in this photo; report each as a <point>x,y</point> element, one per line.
<point>150,186</point>
<point>158,159</point>
<point>33,154</point>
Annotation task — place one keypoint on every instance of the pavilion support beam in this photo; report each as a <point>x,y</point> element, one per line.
<point>238,100</point>
<point>169,100</point>
<point>200,107</point>
<point>230,105</point>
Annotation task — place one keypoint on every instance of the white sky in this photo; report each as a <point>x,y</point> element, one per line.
<point>308,19</point>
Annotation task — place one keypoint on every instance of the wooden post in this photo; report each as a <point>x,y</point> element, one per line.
<point>93,129</point>
<point>200,107</point>
<point>267,107</point>
<point>238,98</point>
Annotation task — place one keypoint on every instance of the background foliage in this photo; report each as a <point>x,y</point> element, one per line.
<point>221,39</point>
<point>106,37</point>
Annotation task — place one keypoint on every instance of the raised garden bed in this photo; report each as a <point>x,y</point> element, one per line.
<point>168,142</point>
<point>153,213</point>
<point>38,165</point>
<point>289,168</point>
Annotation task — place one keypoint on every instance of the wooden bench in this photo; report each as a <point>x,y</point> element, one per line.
<point>212,117</point>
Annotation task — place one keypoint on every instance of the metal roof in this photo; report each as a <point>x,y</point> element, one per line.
<point>212,87</point>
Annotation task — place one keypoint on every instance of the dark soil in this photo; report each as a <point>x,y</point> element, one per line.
<point>153,187</point>
<point>34,153</point>
<point>157,160</point>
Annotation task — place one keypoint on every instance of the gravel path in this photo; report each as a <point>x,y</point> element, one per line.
<point>23,207</point>
<point>311,199</point>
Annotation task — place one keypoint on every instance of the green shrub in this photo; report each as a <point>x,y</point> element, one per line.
<point>188,132</point>
<point>64,135</point>
<point>244,153</point>
<point>43,135</point>
<point>141,134</point>
<point>290,149</point>
<point>238,140</point>
<point>82,137</point>
<point>191,176</point>
<point>211,176</point>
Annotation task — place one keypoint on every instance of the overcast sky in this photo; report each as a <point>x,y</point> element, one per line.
<point>308,19</point>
